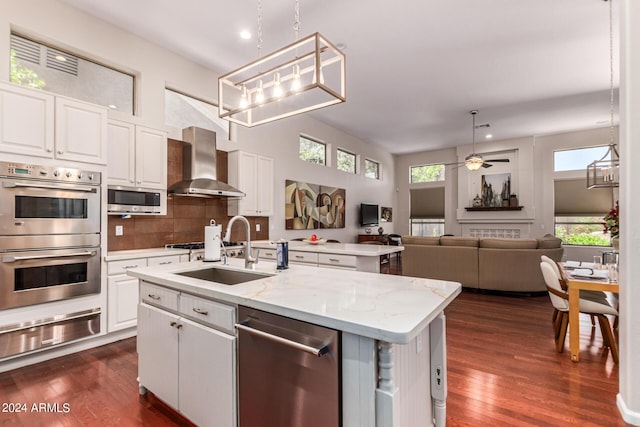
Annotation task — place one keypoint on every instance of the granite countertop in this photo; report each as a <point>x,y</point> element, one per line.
<point>379,306</point>
<point>333,248</point>
<point>143,253</point>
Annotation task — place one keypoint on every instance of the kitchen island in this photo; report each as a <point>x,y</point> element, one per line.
<point>352,256</point>
<point>392,337</point>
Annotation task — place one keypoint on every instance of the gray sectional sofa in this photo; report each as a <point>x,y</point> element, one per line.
<point>480,263</point>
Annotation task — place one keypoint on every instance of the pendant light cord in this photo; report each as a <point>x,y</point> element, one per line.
<point>296,17</point>
<point>259,28</point>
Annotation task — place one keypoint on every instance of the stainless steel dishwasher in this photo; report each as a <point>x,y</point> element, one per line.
<point>288,372</point>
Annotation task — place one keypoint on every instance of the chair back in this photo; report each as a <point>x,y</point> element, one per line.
<point>558,296</point>
<point>556,269</point>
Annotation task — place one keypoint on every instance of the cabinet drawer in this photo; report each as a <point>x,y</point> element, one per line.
<point>337,260</point>
<point>220,316</point>
<point>268,254</point>
<point>160,297</point>
<point>121,267</point>
<point>163,260</point>
<point>306,257</point>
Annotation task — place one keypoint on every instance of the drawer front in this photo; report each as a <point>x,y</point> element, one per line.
<point>158,296</point>
<point>220,316</point>
<point>121,267</point>
<point>305,257</point>
<point>163,260</point>
<point>337,260</point>
<point>268,254</point>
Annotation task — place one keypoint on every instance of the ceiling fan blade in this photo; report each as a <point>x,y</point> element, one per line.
<point>498,160</point>
<point>486,165</point>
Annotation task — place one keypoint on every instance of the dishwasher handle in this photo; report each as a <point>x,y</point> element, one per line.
<point>318,352</point>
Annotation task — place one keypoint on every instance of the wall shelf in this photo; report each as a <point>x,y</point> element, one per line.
<point>494,208</point>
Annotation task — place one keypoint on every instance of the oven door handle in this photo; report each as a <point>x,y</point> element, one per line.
<point>48,187</point>
<point>24,258</point>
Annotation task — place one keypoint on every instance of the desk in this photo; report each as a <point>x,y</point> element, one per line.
<point>575,285</point>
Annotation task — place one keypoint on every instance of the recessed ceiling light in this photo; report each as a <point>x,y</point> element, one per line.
<point>488,136</point>
<point>341,46</point>
<point>245,35</point>
<point>61,58</point>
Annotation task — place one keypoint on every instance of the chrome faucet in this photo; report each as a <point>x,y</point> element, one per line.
<point>249,261</point>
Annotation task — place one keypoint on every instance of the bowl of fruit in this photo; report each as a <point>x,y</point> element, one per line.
<point>315,240</point>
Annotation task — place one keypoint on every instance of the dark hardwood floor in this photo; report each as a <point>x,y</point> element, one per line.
<point>502,370</point>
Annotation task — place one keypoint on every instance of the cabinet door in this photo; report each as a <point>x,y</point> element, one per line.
<point>122,305</point>
<point>121,153</point>
<point>247,182</point>
<point>151,158</point>
<point>81,131</point>
<point>207,380</point>
<point>158,353</point>
<point>26,121</point>
<point>264,186</point>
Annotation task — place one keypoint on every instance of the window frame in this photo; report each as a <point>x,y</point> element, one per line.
<point>378,168</point>
<point>442,173</point>
<point>316,141</point>
<point>355,160</point>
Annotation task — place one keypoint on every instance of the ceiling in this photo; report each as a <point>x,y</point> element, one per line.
<point>415,68</point>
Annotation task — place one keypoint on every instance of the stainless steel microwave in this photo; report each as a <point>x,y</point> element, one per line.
<point>122,200</point>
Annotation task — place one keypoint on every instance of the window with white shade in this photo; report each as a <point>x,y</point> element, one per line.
<point>578,212</point>
<point>427,211</point>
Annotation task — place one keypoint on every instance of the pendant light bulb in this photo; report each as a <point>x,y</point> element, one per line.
<point>296,84</point>
<point>277,88</point>
<point>244,99</point>
<point>259,93</point>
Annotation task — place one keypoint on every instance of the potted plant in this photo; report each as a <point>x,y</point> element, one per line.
<point>612,225</point>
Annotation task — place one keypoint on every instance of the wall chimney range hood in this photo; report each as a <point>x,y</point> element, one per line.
<point>199,167</point>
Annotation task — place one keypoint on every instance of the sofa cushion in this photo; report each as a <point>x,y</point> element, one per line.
<point>505,243</point>
<point>549,241</point>
<point>421,240</point>
<point>471,242</point>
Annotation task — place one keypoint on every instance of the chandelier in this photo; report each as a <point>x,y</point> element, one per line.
<point>303,76</point>
<point>605,173</point>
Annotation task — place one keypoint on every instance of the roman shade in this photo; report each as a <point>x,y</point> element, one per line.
<point>427,203</point>
<point>573,198</point>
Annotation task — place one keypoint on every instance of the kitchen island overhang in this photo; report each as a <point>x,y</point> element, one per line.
<point>384,320</point>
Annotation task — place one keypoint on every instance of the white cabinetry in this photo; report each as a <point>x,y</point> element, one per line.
<point>185,363</point>
<point>252,174</point>
<point>122,293</point>
<point>137,156</point>
<point>346,262</point>
<point>35,123</point>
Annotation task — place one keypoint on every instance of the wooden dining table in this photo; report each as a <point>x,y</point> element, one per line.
<point>575,285</point>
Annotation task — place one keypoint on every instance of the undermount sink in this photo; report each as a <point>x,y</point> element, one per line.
<point>224,276</point>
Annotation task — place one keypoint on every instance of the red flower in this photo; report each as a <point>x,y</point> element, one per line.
<point>611,221</point>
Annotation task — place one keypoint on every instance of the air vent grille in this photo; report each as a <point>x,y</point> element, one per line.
<point>26,50</point>
<point>62,61</point>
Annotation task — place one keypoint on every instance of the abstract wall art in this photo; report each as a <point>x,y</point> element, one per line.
<point>311,206</point>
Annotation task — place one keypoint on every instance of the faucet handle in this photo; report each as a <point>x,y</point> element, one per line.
<point>257,257</point>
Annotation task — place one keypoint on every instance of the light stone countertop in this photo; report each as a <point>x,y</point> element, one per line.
<point>379,306</point>
<point>333,248</point>
<point>143,253</point>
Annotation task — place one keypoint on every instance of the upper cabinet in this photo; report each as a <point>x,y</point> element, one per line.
<point>36,123</point>
<point>137,156</point>
<point>252,174</point>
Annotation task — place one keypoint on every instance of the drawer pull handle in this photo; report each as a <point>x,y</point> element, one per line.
<point>165,262</point>
<point>201,311</point>
<point>334,260</point>
<point>130,266</point>
<point>299,257</point>
<point>155,297</point>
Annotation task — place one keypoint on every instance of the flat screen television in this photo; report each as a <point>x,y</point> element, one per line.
<point>368,214</point>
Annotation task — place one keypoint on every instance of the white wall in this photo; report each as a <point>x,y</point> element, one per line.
<point>155,67</point>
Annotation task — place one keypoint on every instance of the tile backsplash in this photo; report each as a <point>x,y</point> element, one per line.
<point>186,216</point>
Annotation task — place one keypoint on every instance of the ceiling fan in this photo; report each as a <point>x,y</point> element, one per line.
<point>474,161</point>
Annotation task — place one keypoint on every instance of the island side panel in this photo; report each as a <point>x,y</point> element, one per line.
<point>359,381</point>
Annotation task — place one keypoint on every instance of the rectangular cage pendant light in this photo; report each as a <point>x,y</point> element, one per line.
<point>303,76</point>
<point>605,173</point>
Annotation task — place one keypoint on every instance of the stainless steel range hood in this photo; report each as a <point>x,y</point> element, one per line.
<point>199,167</point>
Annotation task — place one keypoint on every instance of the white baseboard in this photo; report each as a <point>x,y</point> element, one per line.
<point>63,350</point>
<point>629,416</point>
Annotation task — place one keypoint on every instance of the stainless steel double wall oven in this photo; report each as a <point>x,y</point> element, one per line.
<point>49,234</point>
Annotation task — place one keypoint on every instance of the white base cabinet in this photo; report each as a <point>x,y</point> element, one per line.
<point>187,364</point>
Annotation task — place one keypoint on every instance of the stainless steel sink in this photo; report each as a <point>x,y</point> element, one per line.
<point>224,276</point>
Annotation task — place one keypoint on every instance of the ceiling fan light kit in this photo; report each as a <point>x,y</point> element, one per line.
<point>303,76</point>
